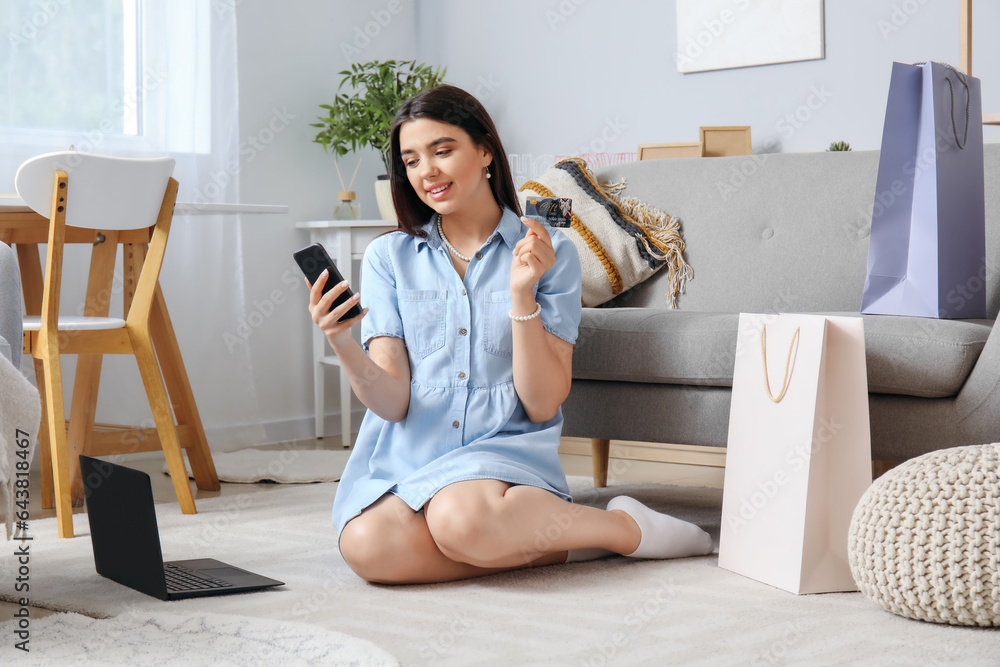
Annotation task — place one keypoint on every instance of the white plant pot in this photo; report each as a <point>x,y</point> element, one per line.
<point>383,196</point>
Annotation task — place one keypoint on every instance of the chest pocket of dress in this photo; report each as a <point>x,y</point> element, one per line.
<point>423,315</point>
<point>498,337</point>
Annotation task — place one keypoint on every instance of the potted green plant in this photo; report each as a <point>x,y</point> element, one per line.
<point>363,118</point>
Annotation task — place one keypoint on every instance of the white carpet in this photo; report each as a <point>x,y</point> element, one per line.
<point>615,611</point>
<point>192,640</point>
<point>286,466</point>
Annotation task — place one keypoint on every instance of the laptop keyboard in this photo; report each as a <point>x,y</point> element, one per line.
<point>182,579</point>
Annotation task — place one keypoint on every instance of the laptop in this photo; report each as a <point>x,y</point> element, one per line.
<point>126,540</point>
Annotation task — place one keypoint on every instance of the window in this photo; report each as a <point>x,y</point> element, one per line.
<point>106,75</point>
<point>71,66</point>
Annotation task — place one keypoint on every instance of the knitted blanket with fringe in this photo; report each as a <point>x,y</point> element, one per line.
<point>621,240</point>
<point>20,415</point>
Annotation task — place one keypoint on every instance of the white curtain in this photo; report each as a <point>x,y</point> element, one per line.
<point>179,99</point>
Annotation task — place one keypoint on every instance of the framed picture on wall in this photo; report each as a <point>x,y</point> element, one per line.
<point>724,34</point>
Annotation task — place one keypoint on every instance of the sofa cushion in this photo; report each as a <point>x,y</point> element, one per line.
<point>905,355</point>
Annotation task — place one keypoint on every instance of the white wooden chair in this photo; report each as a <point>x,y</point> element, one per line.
<point>78,192</point>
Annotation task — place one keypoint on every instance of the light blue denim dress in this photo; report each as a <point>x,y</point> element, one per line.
<point>465,420</point>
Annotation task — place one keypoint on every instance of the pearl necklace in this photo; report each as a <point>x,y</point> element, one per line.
<point>448,245</point>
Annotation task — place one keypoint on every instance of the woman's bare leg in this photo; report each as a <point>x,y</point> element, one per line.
<point>488,523</point>
<point>389,543</point>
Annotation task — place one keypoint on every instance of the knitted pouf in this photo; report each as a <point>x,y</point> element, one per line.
<point>924,540</point>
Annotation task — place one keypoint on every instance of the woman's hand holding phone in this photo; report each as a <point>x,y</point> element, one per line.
<point>328,316</point>
<point>332,305</point>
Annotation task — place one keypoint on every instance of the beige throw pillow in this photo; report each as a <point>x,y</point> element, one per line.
<point>621,241</point>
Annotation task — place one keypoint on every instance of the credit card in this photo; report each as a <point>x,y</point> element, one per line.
<point>551,211</point>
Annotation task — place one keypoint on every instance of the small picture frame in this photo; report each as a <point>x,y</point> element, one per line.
<point>723,141</point>
<point>659,151</point>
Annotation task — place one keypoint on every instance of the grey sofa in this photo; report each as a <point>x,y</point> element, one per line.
<point>10,306</point>
<point>776,233</point>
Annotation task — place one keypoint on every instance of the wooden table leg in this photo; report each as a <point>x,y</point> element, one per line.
<point>179,389</point>
<point>32,283</point>
<point>172,369</point>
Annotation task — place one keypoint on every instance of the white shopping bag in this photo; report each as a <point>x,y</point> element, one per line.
<point>799,451</point>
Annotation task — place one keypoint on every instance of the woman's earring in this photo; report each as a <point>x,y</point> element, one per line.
<point>488,174</point>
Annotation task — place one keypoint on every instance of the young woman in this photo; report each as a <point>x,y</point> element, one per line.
<point>469,322</point>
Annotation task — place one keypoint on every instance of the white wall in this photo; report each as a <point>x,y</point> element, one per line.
<point>599,64</point>
<point>290,56</point>
<point>559,77</point>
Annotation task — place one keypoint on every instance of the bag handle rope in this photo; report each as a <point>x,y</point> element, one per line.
<point>968,103</point>
<point>788,364</point>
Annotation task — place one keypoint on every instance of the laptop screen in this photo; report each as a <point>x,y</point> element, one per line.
<point>123,526</point>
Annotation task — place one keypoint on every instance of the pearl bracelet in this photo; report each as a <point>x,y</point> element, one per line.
<point>525,318</point>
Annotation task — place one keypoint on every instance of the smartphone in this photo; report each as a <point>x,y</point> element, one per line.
<point>313,260</point>
<point>551,211</point>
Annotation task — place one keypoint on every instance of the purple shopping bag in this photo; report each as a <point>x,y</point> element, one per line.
<point>927,251</point>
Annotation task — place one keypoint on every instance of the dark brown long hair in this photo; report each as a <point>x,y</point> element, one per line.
<point>452,105</point>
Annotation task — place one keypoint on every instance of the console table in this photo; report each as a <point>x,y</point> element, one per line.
<point>345,241</point>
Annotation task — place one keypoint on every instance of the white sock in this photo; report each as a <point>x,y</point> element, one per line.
<point>576,555</point>
<point>663,536</point>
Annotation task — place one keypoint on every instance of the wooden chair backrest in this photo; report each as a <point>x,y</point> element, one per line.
<point>99,192</point>
<point>107,192</point>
